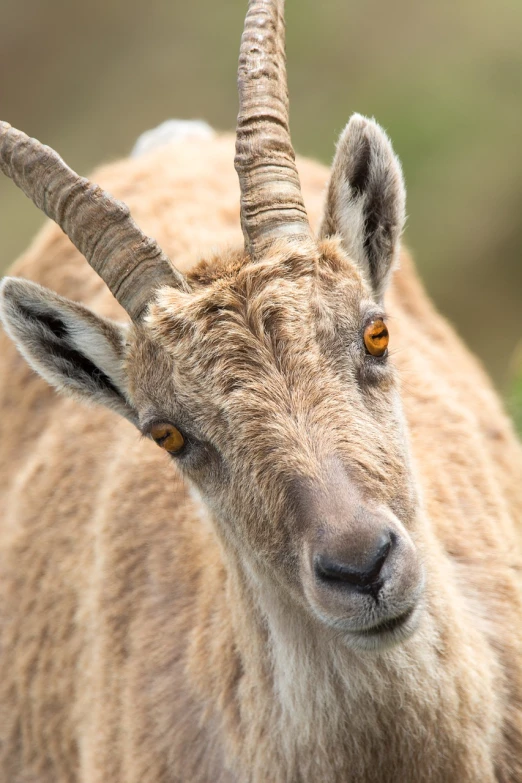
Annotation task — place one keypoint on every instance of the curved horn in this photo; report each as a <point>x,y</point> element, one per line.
<point>271,200</point>
<point>130,263</point>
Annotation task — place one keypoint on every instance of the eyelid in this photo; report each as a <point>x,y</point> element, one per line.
<point>148,424</point>
<point>374,315</point>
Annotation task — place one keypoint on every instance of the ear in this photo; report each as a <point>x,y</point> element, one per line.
<point>75,350</point>
<point>365,202</point>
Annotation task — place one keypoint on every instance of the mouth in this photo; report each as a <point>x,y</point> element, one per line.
<point>386,633</point>
<point>386,626</point>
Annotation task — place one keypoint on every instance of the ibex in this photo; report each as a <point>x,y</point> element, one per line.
<point>319,582</point>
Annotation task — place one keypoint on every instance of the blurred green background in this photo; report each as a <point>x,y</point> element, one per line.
<point>445,80</point>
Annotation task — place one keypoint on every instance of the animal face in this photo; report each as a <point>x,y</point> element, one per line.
<point>291,430</point>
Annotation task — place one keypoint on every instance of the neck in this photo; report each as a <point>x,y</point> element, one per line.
<point>302,699</point>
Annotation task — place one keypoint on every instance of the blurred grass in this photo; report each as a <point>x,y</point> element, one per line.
<point>445,80</point>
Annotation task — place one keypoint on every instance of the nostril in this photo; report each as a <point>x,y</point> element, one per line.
<point>364,576</point>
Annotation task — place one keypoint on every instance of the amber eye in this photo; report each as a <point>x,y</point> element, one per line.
<point>376,337</point>
<point>168,437</point>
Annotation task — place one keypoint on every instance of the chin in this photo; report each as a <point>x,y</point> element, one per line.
<point>385,634</point>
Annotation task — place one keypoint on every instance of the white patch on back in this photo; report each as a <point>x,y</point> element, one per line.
<point>169,131</point>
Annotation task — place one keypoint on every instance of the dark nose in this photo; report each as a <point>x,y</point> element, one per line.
<point>365,576</point>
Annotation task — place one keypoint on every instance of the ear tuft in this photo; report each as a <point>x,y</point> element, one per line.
<point>366,200</point>
<point>73,349</point>
<point>360,172</point>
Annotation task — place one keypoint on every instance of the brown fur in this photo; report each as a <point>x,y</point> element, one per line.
<point>145,640</point>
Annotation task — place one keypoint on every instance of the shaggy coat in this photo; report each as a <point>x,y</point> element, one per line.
<point>141,639</point>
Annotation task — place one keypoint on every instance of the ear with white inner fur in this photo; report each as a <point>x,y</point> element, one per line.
<point>365,202</point>
<point>75,350</point>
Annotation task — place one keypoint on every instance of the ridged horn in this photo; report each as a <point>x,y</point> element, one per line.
<point>129,262</point>
<point>271,200</point>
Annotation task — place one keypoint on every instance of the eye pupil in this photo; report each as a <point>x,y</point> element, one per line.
<point>376,337</point>
<point>168,437</point>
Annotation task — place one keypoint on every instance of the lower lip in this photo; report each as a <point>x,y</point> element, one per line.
<point>387,626</point>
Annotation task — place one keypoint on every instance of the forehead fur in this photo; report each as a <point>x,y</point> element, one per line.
<point>272,336</point>
<point>277,329</point>
<point>269,352</point>
<point>281,294</point>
